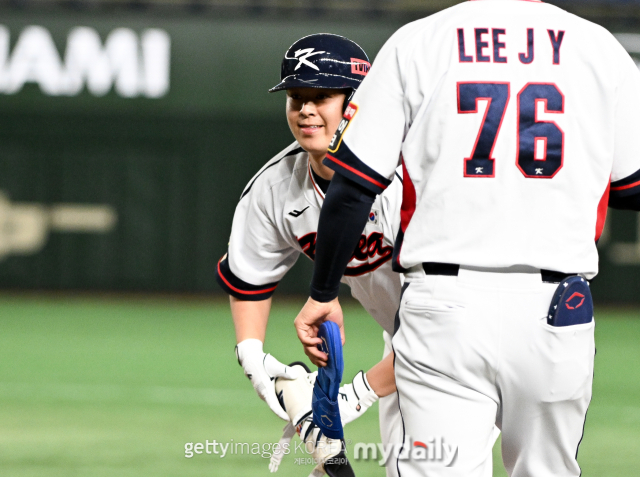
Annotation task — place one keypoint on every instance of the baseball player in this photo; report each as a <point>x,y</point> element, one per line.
<point>516,123</point>
<point>276,221</point>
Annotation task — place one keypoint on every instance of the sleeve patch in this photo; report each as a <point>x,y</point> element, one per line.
<point>238,288</point>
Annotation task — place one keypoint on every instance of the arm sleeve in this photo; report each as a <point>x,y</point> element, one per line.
<point>342,219</point>
<point>625,193</point>
<point>258,255</point>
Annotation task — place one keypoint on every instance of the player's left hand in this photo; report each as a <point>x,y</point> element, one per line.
<point>308,321</point>
<point>262,369</point>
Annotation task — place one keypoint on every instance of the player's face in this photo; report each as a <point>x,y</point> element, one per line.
<point>314,115</point>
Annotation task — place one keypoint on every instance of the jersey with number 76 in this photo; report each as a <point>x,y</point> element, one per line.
<point>512,119</point>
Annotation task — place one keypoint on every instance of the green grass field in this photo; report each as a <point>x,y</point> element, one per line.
<point>116,387</point>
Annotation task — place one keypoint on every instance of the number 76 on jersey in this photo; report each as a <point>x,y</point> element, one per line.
<point>540,144</point>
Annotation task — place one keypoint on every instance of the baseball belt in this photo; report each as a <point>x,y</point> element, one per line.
<point>452,269</point>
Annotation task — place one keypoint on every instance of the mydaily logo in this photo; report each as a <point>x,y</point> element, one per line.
<point>133,65</point>
<point>434,449</point>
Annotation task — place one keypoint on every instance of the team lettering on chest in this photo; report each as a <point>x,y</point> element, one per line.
<point>487,45</point>
<point>370,249</point>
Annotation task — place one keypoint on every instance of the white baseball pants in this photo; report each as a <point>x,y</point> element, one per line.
<point>475,349</point>
<point>390,419</point>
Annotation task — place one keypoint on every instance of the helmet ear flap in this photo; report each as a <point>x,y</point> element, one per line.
<point>347,100</point>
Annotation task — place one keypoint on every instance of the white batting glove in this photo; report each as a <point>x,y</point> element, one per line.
<point>262,369</point>
<point>355,398</point>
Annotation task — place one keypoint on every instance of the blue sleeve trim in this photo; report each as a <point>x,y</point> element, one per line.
<point>625,193</point>
<point>347,163</point>
<point>628,186</point>
<point>238,288</point>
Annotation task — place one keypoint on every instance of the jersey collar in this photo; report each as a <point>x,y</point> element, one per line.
<point>313,181</point>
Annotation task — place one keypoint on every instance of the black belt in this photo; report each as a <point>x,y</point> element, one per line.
<point>451,269</point>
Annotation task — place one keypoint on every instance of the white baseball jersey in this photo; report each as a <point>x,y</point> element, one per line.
<point>276,220</point>
<point>510,118</point>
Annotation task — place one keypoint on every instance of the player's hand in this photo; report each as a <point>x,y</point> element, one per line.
<point>308,321</point>
<point>262,369</point>
<point>355,398</point>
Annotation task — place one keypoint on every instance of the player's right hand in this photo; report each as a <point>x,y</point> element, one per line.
<point>262,369</point>
<point>308,322</point>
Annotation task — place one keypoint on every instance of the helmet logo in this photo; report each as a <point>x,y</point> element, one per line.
<point>308,53</point>
<point>360,67</point>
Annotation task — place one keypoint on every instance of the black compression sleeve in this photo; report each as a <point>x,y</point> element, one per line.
<point>342,220</point>
<point>625,193</point>
<point>629,202</point>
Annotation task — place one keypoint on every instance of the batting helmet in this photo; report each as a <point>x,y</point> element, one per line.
<point>323,60</point>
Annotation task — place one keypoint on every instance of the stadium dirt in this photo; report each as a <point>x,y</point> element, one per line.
<point>96,386</point>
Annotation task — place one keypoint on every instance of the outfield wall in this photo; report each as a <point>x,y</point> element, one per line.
<point>125,142</point>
